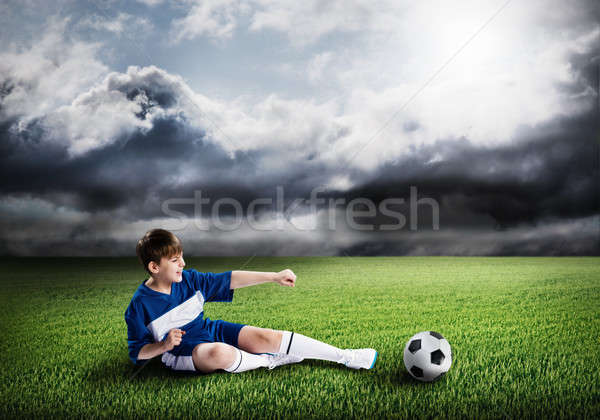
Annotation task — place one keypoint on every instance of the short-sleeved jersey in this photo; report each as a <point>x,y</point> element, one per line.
<point>151,314</point>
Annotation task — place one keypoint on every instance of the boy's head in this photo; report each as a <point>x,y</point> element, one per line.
<point>157,248</point>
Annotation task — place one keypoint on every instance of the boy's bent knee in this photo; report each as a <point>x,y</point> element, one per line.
<point>259,340</point>
<point>209,357</point>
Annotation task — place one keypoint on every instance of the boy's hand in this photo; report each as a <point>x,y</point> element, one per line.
<point>173,339</point>
<point>286,278</point>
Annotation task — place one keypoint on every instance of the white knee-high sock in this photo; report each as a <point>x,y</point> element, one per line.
<point>247,361</point>
<point>308,348</point>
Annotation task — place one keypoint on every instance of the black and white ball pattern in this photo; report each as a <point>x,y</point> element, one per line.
<point>427,356</point>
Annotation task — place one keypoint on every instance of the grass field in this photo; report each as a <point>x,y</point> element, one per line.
<point>525,335</point>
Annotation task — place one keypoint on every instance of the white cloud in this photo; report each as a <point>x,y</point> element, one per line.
<point>506,77</point>
<point>285,125</point>
<point>95,119</point>
<point>150,2</point>
<point>48,74</point>
<point>379,79</point>
<point>317,66</point>
<point>75,107</point>
<point>122,23</point>
<point>503,79</point>
<point>304,22</point>
<point>102,114</point>
<point>212,18</point>
<point>82,110</point>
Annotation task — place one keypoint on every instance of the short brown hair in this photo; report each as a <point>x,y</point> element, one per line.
<point>155,244</point>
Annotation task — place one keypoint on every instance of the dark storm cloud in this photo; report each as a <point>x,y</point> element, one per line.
<point>492,200</point>
<point>584,67</point>
<point>171,160</point>
<point>551,172</point>
<point>111,177</point>
<point>566,238</point>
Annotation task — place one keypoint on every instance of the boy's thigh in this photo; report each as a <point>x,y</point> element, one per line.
<point>208,357</point>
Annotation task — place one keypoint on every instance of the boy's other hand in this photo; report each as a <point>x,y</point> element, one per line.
<point>286,278</point>
<point>173,339</point>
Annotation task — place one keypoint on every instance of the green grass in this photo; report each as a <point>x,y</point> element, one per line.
<point>525,335</point>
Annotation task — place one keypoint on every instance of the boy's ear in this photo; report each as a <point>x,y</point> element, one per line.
<point>153,267</point>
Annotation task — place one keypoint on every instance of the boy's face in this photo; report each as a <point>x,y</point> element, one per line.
<point>170,268</point>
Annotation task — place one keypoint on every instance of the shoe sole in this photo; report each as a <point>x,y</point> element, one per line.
<point>374,360</point>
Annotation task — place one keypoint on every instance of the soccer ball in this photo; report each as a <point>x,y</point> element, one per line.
<point>427,356</point>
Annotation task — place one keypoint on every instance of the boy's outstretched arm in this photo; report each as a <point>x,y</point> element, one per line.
<point>250,278</point>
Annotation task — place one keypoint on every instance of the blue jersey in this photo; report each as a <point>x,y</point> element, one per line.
<point>151,314</point>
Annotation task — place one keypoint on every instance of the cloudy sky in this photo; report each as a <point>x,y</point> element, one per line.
<point>269,127</point>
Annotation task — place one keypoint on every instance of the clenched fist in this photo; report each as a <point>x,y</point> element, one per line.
<point>286,278</point>
<point>173,339</point>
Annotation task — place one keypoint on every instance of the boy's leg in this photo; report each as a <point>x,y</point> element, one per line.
<point>228,333</point>
<point>209,357</point>
<point>261,340</point>
<point>258,340</point>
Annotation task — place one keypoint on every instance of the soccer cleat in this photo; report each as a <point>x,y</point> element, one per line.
<point>360,358</point>
<point>279,359</point>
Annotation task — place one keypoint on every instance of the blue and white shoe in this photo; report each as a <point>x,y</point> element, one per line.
<point>359,359</point>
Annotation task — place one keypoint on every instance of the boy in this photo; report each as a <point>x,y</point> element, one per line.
<point>165,316</point>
